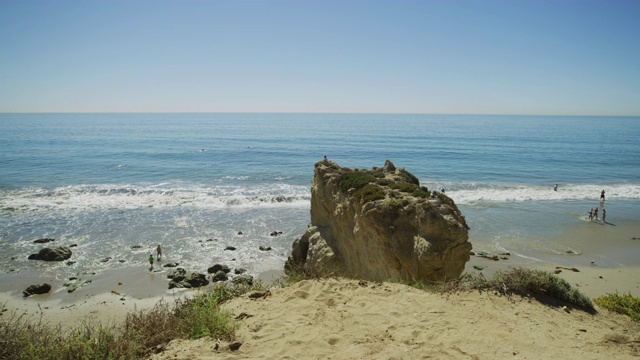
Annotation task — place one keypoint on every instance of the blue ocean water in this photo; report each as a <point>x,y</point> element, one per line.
<point>192,182</point>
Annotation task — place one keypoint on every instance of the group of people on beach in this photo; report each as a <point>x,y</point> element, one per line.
<point>593,212</point>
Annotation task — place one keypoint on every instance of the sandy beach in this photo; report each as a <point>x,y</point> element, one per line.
<point>348,319</point>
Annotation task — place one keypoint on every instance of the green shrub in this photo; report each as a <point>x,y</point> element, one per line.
<point>394,203</point>
<point>370,192</point>
<point>623,304</point>
<point>377,173</point>
<point>404,186</point>
<point>523,282</point>
<point>409,177</point>
<point>421,193</point>
<point>202,317</point>
<point>355,180</point>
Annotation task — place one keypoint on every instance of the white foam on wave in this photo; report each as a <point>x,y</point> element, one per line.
<point>473,193</point>
<point>161,196</point>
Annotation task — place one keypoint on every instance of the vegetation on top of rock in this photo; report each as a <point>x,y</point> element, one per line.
<point>404,186</point>
<point>409,177</point>
<point>423,192</point>
<point>355,180</point>
<point>370,192</point>
<point>401,180</point>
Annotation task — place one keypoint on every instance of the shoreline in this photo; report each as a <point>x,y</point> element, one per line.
<point>110,295</point>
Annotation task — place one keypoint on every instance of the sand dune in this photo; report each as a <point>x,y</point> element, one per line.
<point>350,319</point>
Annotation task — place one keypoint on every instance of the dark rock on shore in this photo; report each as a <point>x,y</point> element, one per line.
<point>243,279</point>
<point>218,267</point>
<point>177,272</point>
<point>276,233</point>
<point>239,271</point>
<point>37,289</point>
<point>230,248</point>
<point>136,247</point>
<point>52,254</point>
<point>43,240</point>
<point>170,265</point>
<point>190,281</point>
<point>219,276</point>
<point>265,248</point>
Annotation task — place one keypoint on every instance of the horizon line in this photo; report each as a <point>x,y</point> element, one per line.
<point>306,113</point>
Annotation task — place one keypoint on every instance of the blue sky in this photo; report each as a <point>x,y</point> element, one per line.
<point>462,57</point>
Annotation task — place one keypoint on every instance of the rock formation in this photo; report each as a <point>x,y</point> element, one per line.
<point>52,254</point>
<point>380,225</point>
<point>37,289</point>
<point>194,280</point>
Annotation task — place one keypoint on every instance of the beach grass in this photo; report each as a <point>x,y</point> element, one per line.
<point>141,333</point>
<point>524,282</point>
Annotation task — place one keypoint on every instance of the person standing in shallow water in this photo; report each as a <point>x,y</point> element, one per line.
<point>151,260</point>
<point>604,215</point>
<point>602,195</point>
<point>158,252</point>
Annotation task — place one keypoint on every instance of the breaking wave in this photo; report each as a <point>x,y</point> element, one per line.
<point>161,196</point>
<point>470,193</point>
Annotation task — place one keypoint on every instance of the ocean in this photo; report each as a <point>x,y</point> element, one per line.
<point>200,183</point>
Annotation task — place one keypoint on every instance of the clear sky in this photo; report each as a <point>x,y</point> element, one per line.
<point>562,57</point>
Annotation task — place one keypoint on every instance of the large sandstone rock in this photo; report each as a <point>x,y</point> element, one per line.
<point>380,225</point>
<point>52,254</point>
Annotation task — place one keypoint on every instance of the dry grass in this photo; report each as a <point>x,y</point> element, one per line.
<point>142,332</point>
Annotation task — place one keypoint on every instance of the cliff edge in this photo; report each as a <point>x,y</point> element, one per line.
<point>380,225</point>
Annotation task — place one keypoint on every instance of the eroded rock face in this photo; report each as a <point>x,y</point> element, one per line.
<point>380,225</point>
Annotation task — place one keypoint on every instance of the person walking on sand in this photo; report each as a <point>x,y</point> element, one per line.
<point>159,252</point>
<point>602,195</point>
